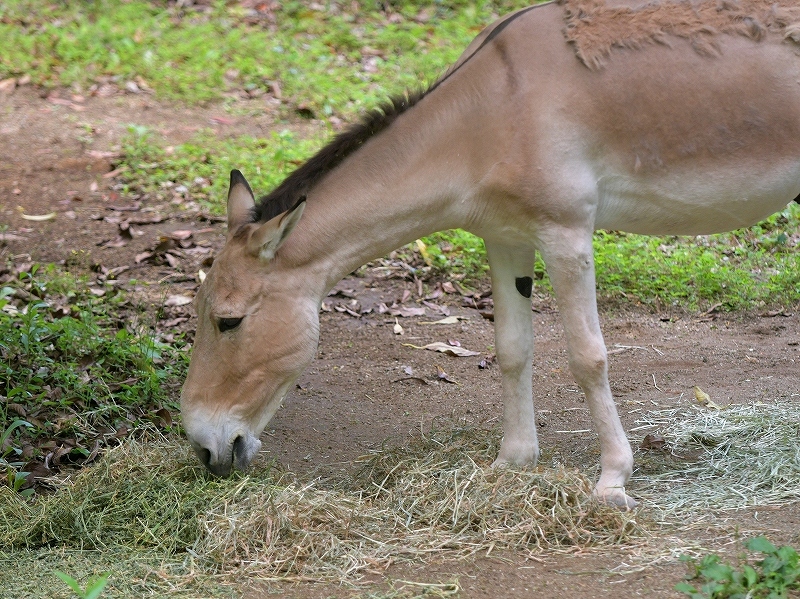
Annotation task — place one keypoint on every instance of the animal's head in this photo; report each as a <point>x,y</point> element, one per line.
<point>257,330</point>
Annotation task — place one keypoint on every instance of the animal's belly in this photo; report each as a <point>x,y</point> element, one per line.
<point>695,203</point>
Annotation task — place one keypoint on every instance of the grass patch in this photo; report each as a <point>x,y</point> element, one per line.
<point>77,370</point>
<point>754,267</point>
<point>202,166</point>
<point>341,60</point>
<point>725,459</point>
<point>435,496</point>
<point>336,59</point>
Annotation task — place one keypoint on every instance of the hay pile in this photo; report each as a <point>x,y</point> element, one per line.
<point>434,497</point>
<point>430,498</point>
<point>723,459</point>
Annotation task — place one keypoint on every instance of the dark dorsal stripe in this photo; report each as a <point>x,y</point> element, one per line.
<point>296,185</point>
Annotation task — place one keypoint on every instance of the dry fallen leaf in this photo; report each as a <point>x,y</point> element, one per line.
<point>447,320</point>
<point>162,417</point>
<point>11,237</point>
<point>8,85</point>
<point>139,258</point>
<point>653,442</point>
<point>115,172</point>
<point>423,250</point>
<point>39,217</point>
<point>407,312</point>
<point>448,287</point>
<point>445,349</point>
<point>177,300</point>
<point>443,376</point>
<point>486,362</point>
<point>704,399</point>
<point>181,235</point>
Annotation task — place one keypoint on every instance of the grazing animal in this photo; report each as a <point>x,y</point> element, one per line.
<point>677,118</point>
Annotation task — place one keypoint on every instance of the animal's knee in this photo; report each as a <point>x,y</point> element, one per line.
<point>589,362</point>
<point>515,358</point>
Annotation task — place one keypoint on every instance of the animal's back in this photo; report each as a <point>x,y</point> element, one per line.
<point>668,138</point>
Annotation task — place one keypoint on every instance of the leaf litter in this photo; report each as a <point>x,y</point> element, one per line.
<point>445,348</point>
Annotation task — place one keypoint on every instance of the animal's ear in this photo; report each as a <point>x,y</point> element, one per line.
<point>267,237</point>
<point>240,202</point>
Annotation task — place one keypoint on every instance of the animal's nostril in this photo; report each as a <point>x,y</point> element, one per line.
<point>238,446</point>
<point>205,456</point>
<point>241,455</point>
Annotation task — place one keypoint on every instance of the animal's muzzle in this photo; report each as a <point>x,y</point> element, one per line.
<point>238,454</point>
<point>218,467</point>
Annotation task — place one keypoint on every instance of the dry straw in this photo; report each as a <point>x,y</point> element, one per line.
<point>410,503</point>
<point>148,504</point>
<point>434,497</point>
<point>744,455</point>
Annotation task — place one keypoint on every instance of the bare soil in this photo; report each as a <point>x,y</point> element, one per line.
<point>366,387</point>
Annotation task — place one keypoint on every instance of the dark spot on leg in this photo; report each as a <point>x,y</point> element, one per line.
<point>525,286</point>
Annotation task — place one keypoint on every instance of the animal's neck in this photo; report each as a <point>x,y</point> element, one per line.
<point>406,182</point>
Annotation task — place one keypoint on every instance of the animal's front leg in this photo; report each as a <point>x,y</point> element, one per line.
<point>512,271</point>
<point>570,264</point>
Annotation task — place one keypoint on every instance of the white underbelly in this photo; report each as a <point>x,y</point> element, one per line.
<point>694,203</point>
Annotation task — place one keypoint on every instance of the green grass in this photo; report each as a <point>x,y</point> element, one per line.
<point>78,378</point>
<point>318,59</point>
<point>204,164</point>
<point>747,269</point>
<point>316,56</point>
<point>93,589</point>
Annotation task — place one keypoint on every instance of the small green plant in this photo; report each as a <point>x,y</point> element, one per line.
<point>92,590</point>
<point>86,376</point>
<point>14,477</point>
<point>769,578</point>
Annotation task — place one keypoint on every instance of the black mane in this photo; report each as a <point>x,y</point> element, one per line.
<point>296,185</point>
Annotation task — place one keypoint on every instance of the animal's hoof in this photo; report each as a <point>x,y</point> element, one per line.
<point>519,455</point>
<point>616,497</point>
<point>500,463</point>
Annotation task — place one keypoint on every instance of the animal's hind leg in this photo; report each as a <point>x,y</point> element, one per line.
<point>511,272</point>
<point>570,264</point>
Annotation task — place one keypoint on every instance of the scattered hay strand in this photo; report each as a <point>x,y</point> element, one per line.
<point>726,459</point>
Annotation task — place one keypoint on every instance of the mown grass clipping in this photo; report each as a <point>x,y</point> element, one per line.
<point>435,497</point>
<point>720,459</point>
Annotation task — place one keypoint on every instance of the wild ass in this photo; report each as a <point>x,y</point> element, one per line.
<point>556,121</point>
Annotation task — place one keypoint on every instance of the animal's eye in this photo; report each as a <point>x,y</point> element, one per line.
<point>226,324</point>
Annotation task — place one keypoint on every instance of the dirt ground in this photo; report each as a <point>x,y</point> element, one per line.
<point>366,387</point>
